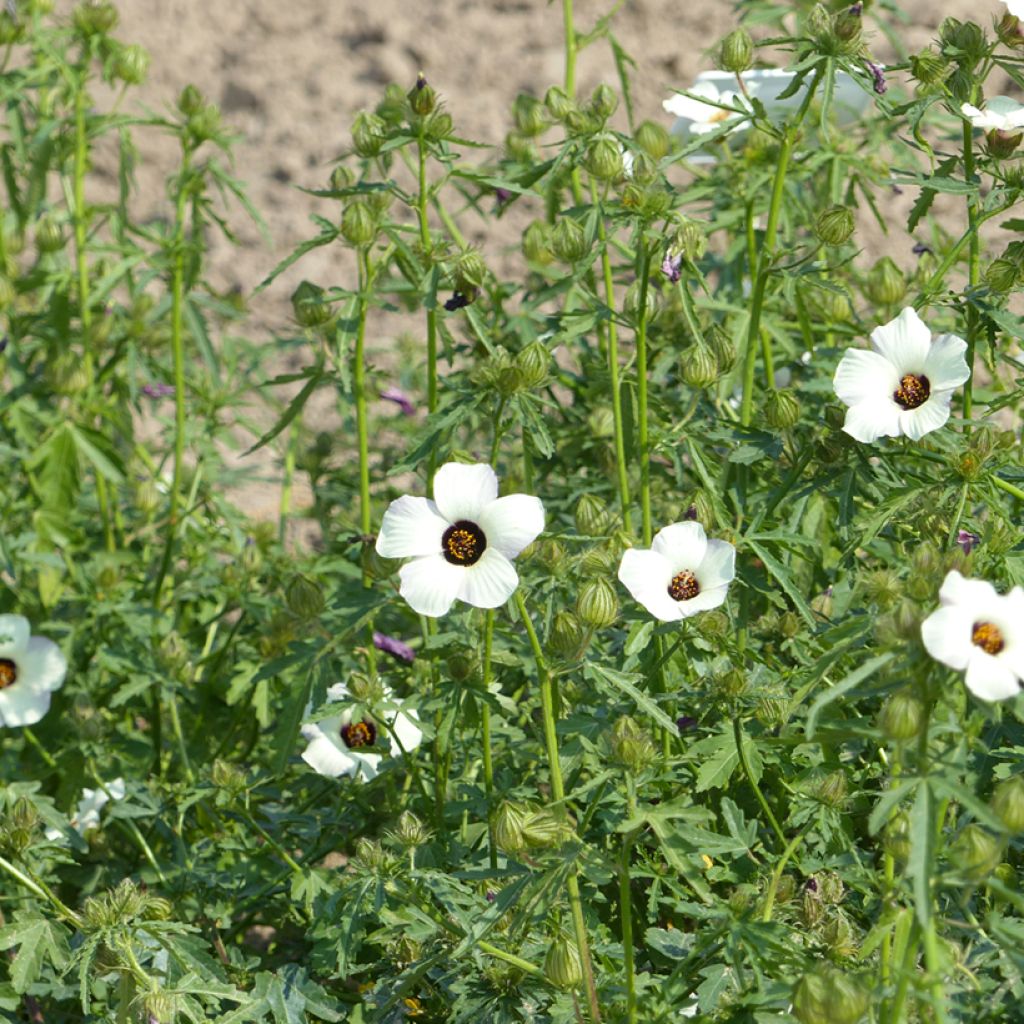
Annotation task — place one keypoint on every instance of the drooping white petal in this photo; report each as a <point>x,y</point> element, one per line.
<point>430,585</point>
<point>462,492</point>
<point>945,366</point>
<point>408,732</point>
<point>411,527</point>
<point>42,665</point>
<point>490,582</point>
<point>704,601</point>
<point>915,423</point>
<point>718,567</point>
<point>868,421</point>
<point>685,106</point>
<point>990,678</point>
<point>327,758</point>
<point>683,545</point>
<point>14,633</point>
<point>864,376</point>
<point>23,705</point>
<point>904,341</point>
<point>959,590</point>
<point>946,635</point>
<point>1001,113</point>
<point>512,522</point>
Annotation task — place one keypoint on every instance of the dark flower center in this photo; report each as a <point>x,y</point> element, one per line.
<point>8,673</point>
<point>463,543</point>
<point>988,637</point>
<point>359,734</point>
<point>913,391</point>
<point>684,586</point>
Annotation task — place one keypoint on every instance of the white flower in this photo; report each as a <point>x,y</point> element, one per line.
<point>31,668</point>
<point>702,117</point>
<point>87,815</point>
<point>681,574</point>
<point>979,630</point>
<point>905,385</point>
<point>462,543</point>
<point>338,746</point>
<point>1015,7</point>
<point>1000,113</point>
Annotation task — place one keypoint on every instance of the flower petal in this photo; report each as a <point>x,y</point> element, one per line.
<point>462,492</point>
<point>946,635</point>
<point>367,765</point>
<point>868,421</point>
<point>945,367</point>
<point>490,582</point>
<point>958,589</point>
<point>990,678</point>
<point>718,567</point>
<point>644,569</point>
<point>336,693</point>
<point>42,665</point>
<point>512,522</point>
<point>864,376</point>
<point>915,423</point>
<point>14,632</point>
<point>693,109</point>
<point>407,732</point>
<point>431,585</point>
<point>21,704</point>
<point>658,602</point>
<point>704,601</point>
<point>326,758</point>
<point>903,342</point>
<point>683,545</point>
<point>411,527</point>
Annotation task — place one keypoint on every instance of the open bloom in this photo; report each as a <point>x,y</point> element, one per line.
<point>1015,7</point>
<point>87,814</point>
<point>681,574</point>
<point>343,745</point>
<point>462,543</point>
<point>706,113</point>
<point>1000,113</point>
<point>905,385</point>
<point>977,630</point>
<point>31,668</point>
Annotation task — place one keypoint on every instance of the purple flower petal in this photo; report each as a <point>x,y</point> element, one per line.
<point>396,648</point>
<point>672,266</point>
<point>967,540</point>
<point>400,398</point>
<point>157,390</point>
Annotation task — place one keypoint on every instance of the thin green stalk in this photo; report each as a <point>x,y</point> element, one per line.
<point>125,998</point>
<point>362,430</point>
<point>287,483</point>
<point>906,973</point>
<point>1008,487</point>
<point>889,881</point>
<point>613,366</point>
<point>41,889</point>
<point>737,725</point>
<point>558,794</point>
<point>626,907</point>
<point>773,885</point>
<point>973,269</point>
<point>569,28</point>
<point>424,225</point>
<point>485,728</point>
<point>643,439</point>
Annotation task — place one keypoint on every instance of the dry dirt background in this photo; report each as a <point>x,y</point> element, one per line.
<point>290,75</point>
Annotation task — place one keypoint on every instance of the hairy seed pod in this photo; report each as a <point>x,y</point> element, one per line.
<point>358,226</point>
<point>558,104</point>
<point>1008,803</point>
<point>698,366</point>
<point>781,409</point>
<point>562,965</point>
<point>422,98</point>
<point>508,827</point>
<point>834,226</point>
<point>529,115</point>
<point>736,51</point>
<point>537,243</point>
<point>829,996</point>
<point>902,716</point>
<point>533,363</point>
<point>569,241</point>
<point>131,64</point>
<point>885,283</point>
<point>566,637</point>
<point>310,307</point>
<point>603,158</point>
<point>597,604</point>
<point>305,599</point>
<point>369,133</point>
<point>976,853</point>
<point>603,102</point>
<point>592,516</point>
<point>653,139</point>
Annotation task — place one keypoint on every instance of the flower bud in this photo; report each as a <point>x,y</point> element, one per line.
<point>964,40</point>
<point>720,341</point>
<point>698,366</point>
<point>558,104</point>
<point>529,115</point>
<point>411,832</point>
<point>632,746</point>
<point>598,562</point>
<point>592,516</point>
<point>732,683</point>
<point>603,158</point>
<point>358,227</point>
<point>533,363</point>
<point>310,307</point>
<point>689,239</point>
<point>566,637</point>
<point>190,101</point>
<point>469,271</point>
<point>848,26</point>
<point>204,124</point>
<point>369,133</point>
<point>902,716</point>
<point>960,85</point>
<point>603,102</point>
<point>597,604</point>
<point>342,177</point>
<point>976,853</point>
<point>736,52</point>
<point>1008,803</point>
<point>227,776</point>
<point>131,64</point>
<point>1010,32</point>
<point>520,148</point>
<point>49,235</point>
<point>832,789</point>
<point>422,98</point>
<point>834,226</point>
<point>1001,144</point>
<point>885,284</point>
<point>94,17</point>
<point>562,965</point>
<point>829,996</point>
<point>393,107</point>
<point>439,126</point>
<point>370,855</point>
<point>304,598</point>
<point>839,937</point>
<point>1002,275</point>
<point>569,240</point>
<point>929,67</point>
<point>508,828</point>
<point>551,555</point>
<point>543,829</point>
<point>653,139</point>
<point>537,243</point>
<point>781,409</point>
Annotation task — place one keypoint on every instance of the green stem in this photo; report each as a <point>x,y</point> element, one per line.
<point>973,269</point>
<point>558,794</point>
<point>125,998</point>
<point>287,484</point>
<point>41,889</point>
<point>644,447</point>
<point>362,431</point>
<point>1008,487</point>
<point>570,49</point>
<point>737,725</point>
<point>626,908</point>
<point>773,885</point>
<point>889,881</point>
<point>485,728</point>
<point>425,243</point>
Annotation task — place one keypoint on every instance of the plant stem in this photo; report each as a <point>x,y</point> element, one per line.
<point>1008,487</point>
<point>570,48</point>
<point>558,794</point>
<point>737,725</point>
<point>40,888</point>
<point>424,225</point>
<point>362,431</point>
<point>644,448</point>
<point>485,728</point>
<point>773,885</point>
<point>287,483</point>
<point>973,269</point>
<point>626,908</point>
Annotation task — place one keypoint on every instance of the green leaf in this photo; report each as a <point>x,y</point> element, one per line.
<point>919,862</point>
<point>295,406</point>
<point>95,448</point>
<point>38,940</point>
<point>627,685</point>
<point>719,758</point>
<point>670,942</point>
<point>782,577</point>
<point>855,678</point>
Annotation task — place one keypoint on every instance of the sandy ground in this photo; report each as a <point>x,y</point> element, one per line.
<point>290,76</point>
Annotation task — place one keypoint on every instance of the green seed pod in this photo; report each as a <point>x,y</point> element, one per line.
<point>830,888</point>
<point>812,909</point>
<point>12,29</point>
<point>829,996</point>
<point>592,516</point>
<point>537,243</point>
<point>714,624</point>
<point>509,381</point>
<point>529,115</point>
<point>781,409</point>
<point>838,935</point>
<point>897,838</point>
<point>520,148</point>
<point>147,497</point>
<point>631,745</point>
<point>131,64</point>
<point>597,604</point>
<point>439,126</point>
<point>1010,32</point>
<point>722,346</point>
<point>885,284</point>
<point>976,853</point>
<point>369,133</point>
<point>370,855</point>
<point>422,98</point>
<point>358,226</point>
<point>543,829</point>
<point>469,271</point>
<point>342,177</point>
<point>310,307</point>
<point>700,508</point>
<point>653,139</point>
<point>964,39</point>
<point>1001,275</point>
<point>304,598</point>
<point>603,102</point>
<point>598,562</point>
<point>566,637</point>
<point>961,85</point>
<point>94,17</point>
<point>462,666</point>
<point>603,158</point>
<point>393,107</point>
<point>834,226</point>
<point>902,716</point>
<point>601,422</point>
<point>698,366</point>
<point>411,832</point>
<point>533,363</point>
<point>832,789</point>
<point>562,965</point>
<point>1008,803</point>
<point>558,104</point>
<point>631,303</point>
<point>831,306</point>
<point>508,828</point>
<point>67,374</point>
<point>190,100</point>
<point>770,711</point>
<point>376,566</point>
<point>736,52</point>
<point>205,124</point>
<point>819,27</point>
<point>732,683</point>
<point>569,240</point>
<point>643,171</point>
<point>49,234</point>
<point>689,239</point>
<point>551,555</point>
<point>848,26</point>
<point>929,67</point>
<point>227,776</point>
<point>1001,145</point>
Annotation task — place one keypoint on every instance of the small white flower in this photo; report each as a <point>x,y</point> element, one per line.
<point>338,746</point>
<point>1000,113</point>
<point>87,814</point>
<point>462,543</point>
<point>905,385</point>
<point>31,668</point>
<point>981,631</point>
<point>681,574</point>
<point>1015,7</point>
<point>704,117</point>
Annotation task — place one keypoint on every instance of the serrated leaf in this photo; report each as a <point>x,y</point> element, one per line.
<point>627,685</point>
<point>919,861</point>
<point>38,940</point>
<point>857,676</point>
